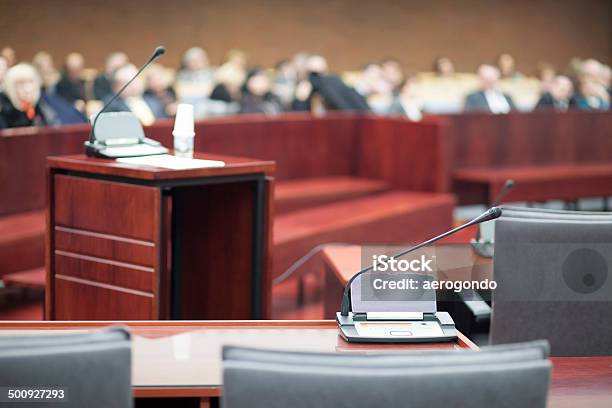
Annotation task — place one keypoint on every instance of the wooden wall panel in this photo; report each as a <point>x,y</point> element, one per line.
<point>349,32</point>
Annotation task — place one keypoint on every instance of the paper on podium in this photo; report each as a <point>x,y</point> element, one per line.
<point>171,162</point>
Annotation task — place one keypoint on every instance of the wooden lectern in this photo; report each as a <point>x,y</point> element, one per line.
<point>136,242</point>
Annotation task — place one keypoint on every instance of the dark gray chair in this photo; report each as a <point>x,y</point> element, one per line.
<point>414,379</point>
<point>94,368</point>
<point>413,358</point>
<point>552,269</point>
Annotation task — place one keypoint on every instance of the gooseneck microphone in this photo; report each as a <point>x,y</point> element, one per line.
<point>507,187</point>
<point>491,214</point>
<point>159,51</point>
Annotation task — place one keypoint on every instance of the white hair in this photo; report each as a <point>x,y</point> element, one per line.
<point>18,73</point>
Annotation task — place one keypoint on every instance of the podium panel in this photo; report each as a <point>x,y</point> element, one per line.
<point>133,242</point>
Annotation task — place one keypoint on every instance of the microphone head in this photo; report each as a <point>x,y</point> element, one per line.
<point>509,184</point>
<point>159,51</point>
<point>491,214</point>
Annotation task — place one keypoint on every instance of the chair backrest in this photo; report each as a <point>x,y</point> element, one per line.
<point>552,271</point>
<point>413,358</point>
<point>391,380</point>
<point>94,368</point>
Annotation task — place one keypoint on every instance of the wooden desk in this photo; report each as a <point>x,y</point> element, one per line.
<point>182,359</point>
<point>130,242</point>
<point>454,261</point>
<point>535,183</point>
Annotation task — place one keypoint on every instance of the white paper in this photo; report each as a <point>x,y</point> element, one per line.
<point>167,161</point>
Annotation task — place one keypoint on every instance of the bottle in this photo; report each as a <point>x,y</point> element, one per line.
<point>183,132</point>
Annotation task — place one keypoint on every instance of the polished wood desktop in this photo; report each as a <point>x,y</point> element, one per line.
<point>122,240</point>
<point>181,359</point>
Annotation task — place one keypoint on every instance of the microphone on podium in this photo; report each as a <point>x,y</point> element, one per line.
<point>491,214</point>
<point>90,145</point>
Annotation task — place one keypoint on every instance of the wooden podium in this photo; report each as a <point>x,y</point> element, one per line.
<point>135,242</point>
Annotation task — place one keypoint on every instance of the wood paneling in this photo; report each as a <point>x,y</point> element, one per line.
<point>76,299</point>
<point>106,271</point>
<point>214,226</point>
<point>348,33</point>
<point>105,207</point>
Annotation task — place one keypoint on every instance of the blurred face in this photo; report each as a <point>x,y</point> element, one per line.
<point>157,80</point>
<point>562,88</point>
<point>489,77</point>
<point>317,64</point>
<point>27,90</point>
<point>74,65</point>
<point>122,77</point>
<point>197,61</point>
<point>259,84</point>
<point>506,64</point>
<point>446,67</point>
<point>606,77</point>
<point>9,54</point>
<point>392,71</point>
<point>115,61</point>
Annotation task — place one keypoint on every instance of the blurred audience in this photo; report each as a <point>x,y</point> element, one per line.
<point>159,88</point>
<point>49,75</point>
<point>559,96</point>
<point>407,102</point>
<point>490,97</point>
<point>20,103</point>
<point>257,96</point>
<point>134,99</point>
<point>195,80</point>
<point>71,85</point>
<point>301,83</point>
<point>103,84</point>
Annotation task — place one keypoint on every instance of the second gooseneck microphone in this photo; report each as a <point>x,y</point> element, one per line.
<point>491,214</point>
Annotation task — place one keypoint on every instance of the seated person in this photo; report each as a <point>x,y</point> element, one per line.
<point>9,54</point>
<point>103,87</point>
<point>592,96</point>
<point>71,85</point>
<point>196,78</point>
<point>20,103</point>
<point>230,79</point>
<point>323,92</point>
<point>43,62</point>
<point>133,99</point>
<point>490,98</point>
<point>560,95</point>
<point>392,72</point>
<point>159,87</point>
<point>256,94</point>
<point>444,67</point>
<point>285,81</point>
<point>4,66</point>
<point>407,103</point>
<point>546,74</point>
<point>507,67</point>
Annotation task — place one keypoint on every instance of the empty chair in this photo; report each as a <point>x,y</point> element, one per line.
<point>498,376</point>
<point>552,271</point>
<point>94,368</point>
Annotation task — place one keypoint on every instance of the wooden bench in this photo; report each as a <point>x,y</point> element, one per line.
<point>299,194</point>
<point>31,279</point>
<point>391,217</point>
<point>567,182</point>
<point>22,242</point>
